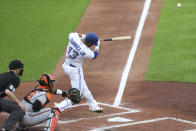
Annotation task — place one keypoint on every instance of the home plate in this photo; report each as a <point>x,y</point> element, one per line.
<point>119,119</point>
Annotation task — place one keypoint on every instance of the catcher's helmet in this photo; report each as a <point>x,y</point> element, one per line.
<point>47,81</point>
<point>92,38</point>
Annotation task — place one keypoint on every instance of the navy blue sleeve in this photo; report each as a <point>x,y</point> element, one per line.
<point>95,55</point>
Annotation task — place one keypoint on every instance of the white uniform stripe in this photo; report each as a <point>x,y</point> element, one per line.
<point>80,80</point>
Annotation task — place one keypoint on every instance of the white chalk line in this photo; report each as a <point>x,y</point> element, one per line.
<point>128,111</point>
<point>181,120</point>
<point>191,130</point>
<point>91,118</point>
<point>144,122</point>
<point>102,116</point>
<point>98,117</point>
<point>118,107</point>
<point>132,54</point>
<point>105,104</point>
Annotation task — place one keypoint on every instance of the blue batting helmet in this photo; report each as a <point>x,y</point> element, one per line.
<point>92,38</point>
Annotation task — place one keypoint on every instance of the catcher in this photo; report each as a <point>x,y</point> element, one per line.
<point>37,99</point>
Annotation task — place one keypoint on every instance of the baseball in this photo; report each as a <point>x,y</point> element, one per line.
<point>179,5</point>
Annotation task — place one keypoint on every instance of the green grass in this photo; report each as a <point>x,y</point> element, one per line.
<point>173,56</point>
<point>34,31</point>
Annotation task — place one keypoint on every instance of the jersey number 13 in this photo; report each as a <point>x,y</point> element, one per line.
<point>72,53</point>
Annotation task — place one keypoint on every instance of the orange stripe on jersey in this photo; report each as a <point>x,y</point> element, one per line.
<point>49,96</point>
<point>31,95</point>
<point>40,113</point>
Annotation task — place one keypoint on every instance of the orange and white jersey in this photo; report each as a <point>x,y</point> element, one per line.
<point>42,96</point>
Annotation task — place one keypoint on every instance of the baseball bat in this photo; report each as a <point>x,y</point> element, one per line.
<point>118,38</point>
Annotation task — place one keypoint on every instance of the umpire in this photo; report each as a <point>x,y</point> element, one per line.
<point>9,81</point>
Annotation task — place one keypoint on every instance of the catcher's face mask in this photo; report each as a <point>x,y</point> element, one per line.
<point>48,81</point>
<point>53,87</point>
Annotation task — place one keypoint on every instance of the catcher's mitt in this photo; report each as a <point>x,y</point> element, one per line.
<point>74,95</point>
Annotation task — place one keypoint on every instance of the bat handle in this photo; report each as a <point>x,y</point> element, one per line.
<point>110,39</point>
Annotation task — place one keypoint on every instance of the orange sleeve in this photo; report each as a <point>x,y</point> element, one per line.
<point>49,96</point>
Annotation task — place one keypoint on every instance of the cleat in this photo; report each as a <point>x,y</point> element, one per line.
<point>96,109</point>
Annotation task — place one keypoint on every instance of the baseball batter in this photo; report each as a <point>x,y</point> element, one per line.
<point>78,49</point>
<point>36,100</point>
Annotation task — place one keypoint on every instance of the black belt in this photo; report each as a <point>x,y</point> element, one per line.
<point>72,65</point>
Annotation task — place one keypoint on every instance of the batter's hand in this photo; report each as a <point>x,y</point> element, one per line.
<point>97,47</point>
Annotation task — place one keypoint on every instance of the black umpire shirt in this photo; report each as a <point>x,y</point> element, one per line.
<point>10,81</point>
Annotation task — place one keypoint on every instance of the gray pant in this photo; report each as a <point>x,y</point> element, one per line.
<point>16,114</point>
<point>34,118</point>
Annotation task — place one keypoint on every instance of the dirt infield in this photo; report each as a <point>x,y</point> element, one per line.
<point>147,106</point>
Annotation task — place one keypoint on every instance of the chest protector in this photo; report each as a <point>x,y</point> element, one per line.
<point>36,90</point>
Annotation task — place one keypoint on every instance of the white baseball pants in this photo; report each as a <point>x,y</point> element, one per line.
<point>77,81</point>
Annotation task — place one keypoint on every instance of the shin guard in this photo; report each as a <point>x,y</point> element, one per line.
<point>52,121</point>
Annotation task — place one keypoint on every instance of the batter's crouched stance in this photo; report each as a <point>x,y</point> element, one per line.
<point>78,49</point>
<point>9,81</point>
<point>36,100</point>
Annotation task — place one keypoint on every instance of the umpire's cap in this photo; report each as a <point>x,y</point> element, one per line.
<point>15,64</point>
<point>92,38</point>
